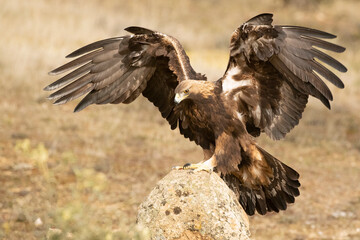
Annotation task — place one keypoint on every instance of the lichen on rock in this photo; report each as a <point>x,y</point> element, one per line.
<point>188,205</point>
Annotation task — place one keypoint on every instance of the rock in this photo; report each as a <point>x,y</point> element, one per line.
<point>21,217</point>
<point>188,205</point>
<point>38,222</point>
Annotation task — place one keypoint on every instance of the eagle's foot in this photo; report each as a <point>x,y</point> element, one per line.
<point>207,166</point>
<point>192,166</point>
<point>188,166</point>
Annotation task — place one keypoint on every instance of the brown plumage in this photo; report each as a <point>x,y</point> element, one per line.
<point>271,72</point>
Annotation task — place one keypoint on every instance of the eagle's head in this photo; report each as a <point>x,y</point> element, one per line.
<point>193,89</point>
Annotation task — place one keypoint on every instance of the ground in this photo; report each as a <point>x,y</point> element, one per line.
<point>86,173</point>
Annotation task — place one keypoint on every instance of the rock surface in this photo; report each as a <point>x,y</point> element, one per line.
<point>188,205</point>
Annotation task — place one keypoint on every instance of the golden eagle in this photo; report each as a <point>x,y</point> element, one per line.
<point>271,72</point>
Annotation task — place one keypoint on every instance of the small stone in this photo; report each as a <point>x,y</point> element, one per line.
<point>69,235</point>
<point>19,135</point>
<point>21,217</point>
<point>38,222</point>
<point>23,193</point>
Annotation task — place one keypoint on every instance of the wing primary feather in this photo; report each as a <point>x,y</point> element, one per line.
<point>312,53</point>
<point>86,101</point>
<point>71,87</point>
<point>327,74</point>
<point>75,63</point>
<point>306,31</point>
<point>73,95</point>
<point>323,44</point>
<point>306,89</point>
<point>329,60</point>
<point>93,46</point>
<point>303,71</point>
<point>81,71</point>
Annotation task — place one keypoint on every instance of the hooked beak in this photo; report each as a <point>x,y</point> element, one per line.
<point>179,97</point>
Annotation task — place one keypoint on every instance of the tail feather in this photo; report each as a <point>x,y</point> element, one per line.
<point>281,189</point>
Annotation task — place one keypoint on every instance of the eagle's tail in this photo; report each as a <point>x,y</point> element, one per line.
<point>267,188</point>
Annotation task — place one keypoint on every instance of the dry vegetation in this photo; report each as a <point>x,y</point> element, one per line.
<point>86,173</point>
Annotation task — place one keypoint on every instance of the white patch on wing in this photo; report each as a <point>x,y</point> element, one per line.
<point>269,112</point>
<point>229,83</point>
<point>233,71</point>
<point>257,115</point>
<point>240,116</point>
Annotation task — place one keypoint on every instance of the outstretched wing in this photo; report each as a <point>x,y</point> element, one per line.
<point>273,69</point>
<point>118,70</point>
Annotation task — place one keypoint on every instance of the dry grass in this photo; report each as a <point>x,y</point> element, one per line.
<point>86,173</point>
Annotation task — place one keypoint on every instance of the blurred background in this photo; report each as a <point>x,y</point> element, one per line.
<point>86,173</point>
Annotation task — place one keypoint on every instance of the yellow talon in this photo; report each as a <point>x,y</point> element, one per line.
<point>207,166</point>
<point>188,166</point>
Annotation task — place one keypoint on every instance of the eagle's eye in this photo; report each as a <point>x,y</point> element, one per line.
<point>186,91</point>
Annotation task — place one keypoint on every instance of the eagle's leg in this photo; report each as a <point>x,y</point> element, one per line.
<point>207,166</point>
